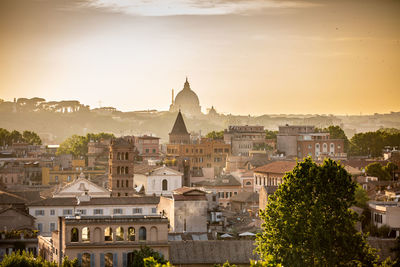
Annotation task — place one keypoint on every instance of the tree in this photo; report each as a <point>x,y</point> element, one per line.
<point>361,197</point>
<point>308,221</point>
<point>27,259</point>
<point>151,262</point>
<point>78,145</point>
<point>375,169</point>
<point>31,138</point>
<point>145,252</point>
<point>215,135</point>
<point>270,134</point>
<point>336,132</point>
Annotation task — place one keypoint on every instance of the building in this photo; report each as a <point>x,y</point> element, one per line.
<point>57,175</point>
<point>244,138</point>
<point>271,174</point>
<point>81,186</point>
<point>179,133</point>
<point>186,210</point>
<point>156,180</point>
<point>148,147</point>
<point>245,202</point>
<point>48,210</point>
<point>186,101</point>
<point>265,192</point>
<point>386,213</point>
<point>225,186</point>
<point>98,152</point>
<point>121,159</point>
<point>303,141</point>
<point>105,241</point>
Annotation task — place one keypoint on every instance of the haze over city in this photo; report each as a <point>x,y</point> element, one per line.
<point>242,57</point>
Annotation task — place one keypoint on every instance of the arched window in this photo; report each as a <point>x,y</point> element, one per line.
<point>119,233</point>
<point>126,156</point>
<point>142,234</point>
<point>108,235</point>
<point>164,185</point>
<point>118,156</point>
<point>131,234</point>
<point>126,170</point>
<point>118,170</point>
<point>108,260</point>
<point>127,183</point>
<point>74,235</point>
<point>248,183</point>
<point>85,234</point>
<point>85,260</point>
<point>264,181</point>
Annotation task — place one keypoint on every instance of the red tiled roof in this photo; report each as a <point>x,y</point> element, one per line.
<point>276,167</point>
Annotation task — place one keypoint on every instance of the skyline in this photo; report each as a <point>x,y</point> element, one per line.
<point>270,57</point>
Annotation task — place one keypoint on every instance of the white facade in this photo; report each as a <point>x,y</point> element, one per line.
<point>47,215</point>
<point>80,187</point>
<point>386,213</point>
<point>160,181</point>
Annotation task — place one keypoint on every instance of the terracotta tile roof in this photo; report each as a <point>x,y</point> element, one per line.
<point>276,167</point>
<point>246,197</point>
<point>224,180</point>
<point>189,193</point>
<point>143,168</point>
<point>8,198</point>
<point>212,252</point>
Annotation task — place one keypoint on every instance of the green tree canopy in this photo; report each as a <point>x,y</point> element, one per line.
<point>308,221</point>
<point>270,134</point>
<point>361,197</point>
<point>31,138</point>
<point>8,138</point>
<point>215,135</point>
<point>377,170</point>
<point>139,257</point>
<point>336,132</point>
<point>27,259</point>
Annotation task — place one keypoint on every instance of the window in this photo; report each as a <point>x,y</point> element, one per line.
<point>131,234</point>
<point>119,233</point>
<point>142,234</point>
<point>126,156</point>
<point>52,212</point>
<point>137,210</point>
<point>40,227</point>
<point>164,185</point>
<point>117,183</point>
<point>81,211</point>
<point>56,178</point>
<point>85,260</point>
<point>147,150</point>
<point>108,260</point>
<point>378,218</point>
<point>52,227</point>
<point>74,235</point>
<point>86,234</point>
<point>108,236</point>
<point>117,211</point>
<point>67,212</point>
<point>153,210</point>
<point>97,211</point>
<point>39,212</point>
<point>68,178</point>
<point>154,150</point>
<point>127,183</point>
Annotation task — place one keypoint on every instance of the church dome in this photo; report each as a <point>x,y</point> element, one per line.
<point>187,96</point>
<point>187,101</point>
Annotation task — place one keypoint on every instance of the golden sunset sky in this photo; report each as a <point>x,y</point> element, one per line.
<point>242,56</point>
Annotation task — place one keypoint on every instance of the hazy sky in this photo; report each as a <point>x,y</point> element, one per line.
<point>242,56</point>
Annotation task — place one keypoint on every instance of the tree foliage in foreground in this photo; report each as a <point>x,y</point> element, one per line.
<point>8,138</point>
<point>308,221</point>
<point>28,260</point>
<point>215,135</point>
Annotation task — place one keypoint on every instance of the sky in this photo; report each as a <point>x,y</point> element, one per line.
<point>240,56</point>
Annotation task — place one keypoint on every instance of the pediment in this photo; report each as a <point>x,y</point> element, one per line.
<point>165,171</point>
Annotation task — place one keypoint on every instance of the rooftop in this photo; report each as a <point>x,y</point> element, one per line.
<point>276,167</point>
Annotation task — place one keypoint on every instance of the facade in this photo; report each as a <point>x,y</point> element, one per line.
<point>303,141</point>
<point>245,202</point>
<point>47,211</point>
<point>56,175</point>
<point>386,213</point>
<point>271,174</point>
<point>148,147</point>
<point>121,159</point>
<point>244,138</point>
<point>265,192</point>
<point>159,180</point>
<point>106,241</point>
<point>98,152</point>
<point>79,187</point>
<point>225,186</point>
<point>186,210</point>
<point>186,101</point>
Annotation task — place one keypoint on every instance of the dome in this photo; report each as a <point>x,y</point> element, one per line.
<point>187,101</point>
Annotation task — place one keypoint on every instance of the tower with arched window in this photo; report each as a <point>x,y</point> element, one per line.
<point>121,159</point>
